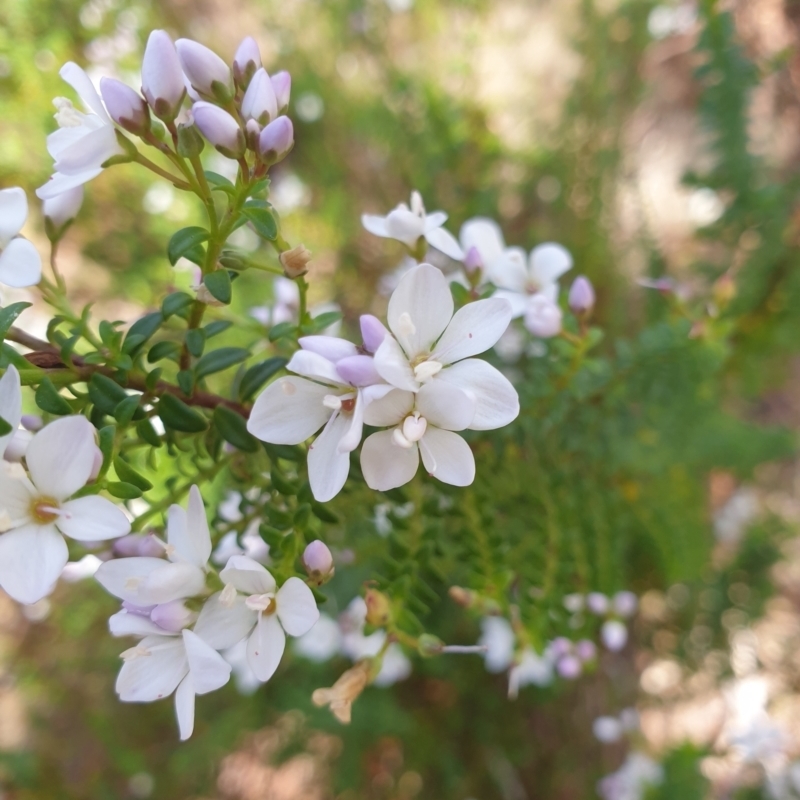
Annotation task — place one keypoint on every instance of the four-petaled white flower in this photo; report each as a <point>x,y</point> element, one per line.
<point>20,262</point>
<point>35,511</point>
<point>147,581</point>
<point>252,606</point>
<point>10,404</point>
<point>83,142</point>
<point>408,224</point>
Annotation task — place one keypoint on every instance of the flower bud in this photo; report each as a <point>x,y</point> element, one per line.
<point>569,667</point>
<point>295,261</point>
<point>473,261</point>
<point>429,645</point>
<point>276,140</point>
<point>162,77</point>
<point>560,646</point>
<point>625,604</point>
<point>373,332</point>
<point>246,61</point>
<point>125,106</point>
<point>259,101</point>
<point>581,296</point>
<point>379,607</point>
<point>282,86</point>
<point>172,616</point>
<point>31,422</point>
<point>60,210</point>
<point>358,370</point>
<point>597,603</point>
<point>318,561</point>
<point>614,634</point>
<point>586,650</point>
<point>190,142</point>
<point>252,130</point>
<point>220,128</point>
<point>207,72</point>
<point>543,318</point>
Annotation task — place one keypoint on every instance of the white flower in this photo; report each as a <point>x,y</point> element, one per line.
<point>262,613</point>
<point>484,235</point>
<point>182,663</point>
<point>607,729</point>
<point>530,668</point>
<point>249,544</point>
<point>10,403</point>
<point>20,262</point>
<point>632,779</point>
<point>36,511</point>
<point>497,636</point>
<point>543,317</point>
<point>83,142</point>
<point>614,634</point>
<point>146,581</point>
<point>322,642</point>
<point>408,224</point>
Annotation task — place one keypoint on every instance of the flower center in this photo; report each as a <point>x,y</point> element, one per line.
<point>45,510</point>
<point>265,603</point>
<point>425,370</point>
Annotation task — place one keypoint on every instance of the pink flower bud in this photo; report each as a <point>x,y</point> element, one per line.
<point>597,603</point>
<point>246,61</point>
<point>162,77</point>
<point>125,106</point>
<point>614,634</point>
<point>581,296</point>
<point>560,646</point>
<point>276,140</point>
<point>625,604</point>
<point>220,128</point>
<point>373,332</point>
<point>282,86</point>
<point>259,101</point>
<point>586,650</point>
<point>206,71</point>
<point>543,318</point>
<point>64,207</point>
<point>473,261</point>
<point>318,561</point>
<point>172,616</point>
<point>358,370</point>
<point>569,667</point>
<point>32,422</point>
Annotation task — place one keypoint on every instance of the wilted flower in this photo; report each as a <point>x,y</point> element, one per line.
<point>341,696</point>
<point>295,261</point>
<point>20,262</point>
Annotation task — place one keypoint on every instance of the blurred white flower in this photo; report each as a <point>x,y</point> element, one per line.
<point>322,642</point>
<point>497,636</point>
<point>20,262</point>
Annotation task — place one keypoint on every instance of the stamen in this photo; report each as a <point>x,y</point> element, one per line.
<point>261,602</point>
<point>67,116</point>
<point>426,370</point>
<point>227,596</point>
<point>405,325</point>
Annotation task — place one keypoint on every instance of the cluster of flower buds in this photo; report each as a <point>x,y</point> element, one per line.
<point>614,610</point>
<point>570,657</point>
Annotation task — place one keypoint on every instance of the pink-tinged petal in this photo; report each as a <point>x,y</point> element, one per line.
<point>31,560</point>
<point>423,299</point>
<point>60,457</point>
<point>296,607</point>
<point>510,271</point>
<point>447,456</point>
<point>89,152</point>
<point>393,366</point>
<point>474,329</point>
<point>389,410</point>
<point>154,672</point>
<point>485,236</point>
<point>288,411</point>
<point>331,347</point>
<point>375,225</point>
<point>358,370</point>
<point>373,332</point>
<point>222,625</point>
<point>497,400</point>
<point>445,405</point>
<point>92,519</point>
<point>548,262</point>
<point>209,670</point>
<point>327,466</point>
<point>355,428</point>
<point>20,264</point>
<point>184,707</point>
<point>16,494</point>
<point>80,82</point>
<point>248,576</point>
<point>519,302</point>
<point>386,465</point>
<point>265,647</point>
<point>445,242</point>
<point>13,212</point>
<point>10,404</point>
<point>187,531</point>
<point>314,366</point>
<point>61,183</point>
<point>125,624</point>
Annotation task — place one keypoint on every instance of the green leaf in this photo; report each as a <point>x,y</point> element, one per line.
<point>233,429</point>
<point>322,512</point>
<point>218,360</point>
<point>195,342</point>
<point>48,399</point>
<point>122,490</point>
<point>324,320</point>
<point>218,326</point>
<point>219,284</point>
<point>284,451</point>
<point>282,330</point>
<point>263,222</point>
<point>258,375</point>
<point>183,241</point>
<point>8,355</point>
<point>176,415</point>
<point>163,350</point>
<point>185,380</point>
<point>105,439</point>
<point>152,378</point>
<point>148,433</point>
<point>219,182</point>
<point>126,409</point>
<point>105,393</point>
<point>141,331</point>
<point>282,484</point>
<point>125,472</point>
<point>8,316</point>
<point>5,427</point>
<point>175,302</point>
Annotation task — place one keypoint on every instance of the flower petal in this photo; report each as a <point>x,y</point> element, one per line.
<point>422,298</point>
<point>375,224</point>
<point>92,519</point>
<point>445,242</point>
<point>404,225</point>
<point>148,581</point>
<point>187,531</point>
<point>60,183</point>
<point>331,347</point>
<point>16,494</point>
<point>265,647</point>
<point>89,152</point>
<point>511,270</point>
<point>296,607</point>
<point>446,405</point>
<point>386,465</point>
<point>392,365</point>
<point>355,428</point>
<point>209,670</point>
<point>485,236</point>
<point>80,82</point>
<point>390,409</point>
<point>31,560</point>
<point>519,302</point>
<point>288,411</point>
<point>223,625</point>
<point>13,212</point>
<point>475,328</point>
<point>327,467</point>
<point>124,623</point>
<point>248,576</point>
<point>548,262</point>
<point>144,678</point>
<point>10,402</point>
<point>61,456</point>
<point>313,365</point>
<point>447,457</point>
<point>20,264</point>
<point>184,707</point>
<point>497,400</point>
